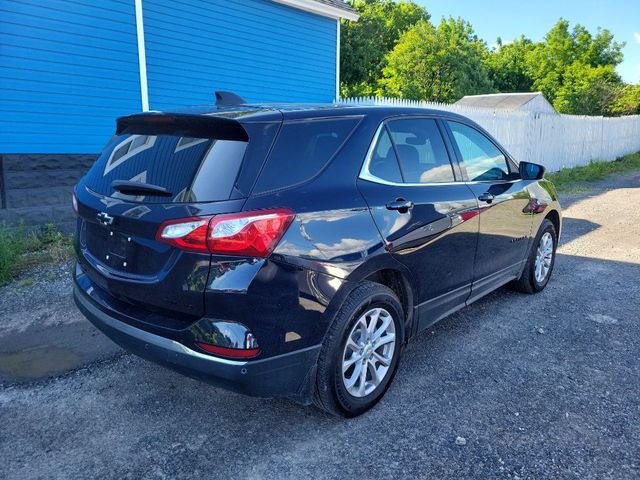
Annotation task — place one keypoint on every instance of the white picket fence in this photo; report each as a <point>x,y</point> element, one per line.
<point>555,141</point>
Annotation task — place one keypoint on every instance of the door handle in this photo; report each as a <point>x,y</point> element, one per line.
<point>400,204</point>
<point>486,197</point>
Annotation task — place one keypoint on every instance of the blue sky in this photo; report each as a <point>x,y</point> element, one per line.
<point>509,19</point>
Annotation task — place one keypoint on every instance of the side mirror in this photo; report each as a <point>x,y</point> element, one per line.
<point>531,171</point>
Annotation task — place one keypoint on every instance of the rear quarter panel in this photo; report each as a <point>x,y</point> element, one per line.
<point>289,300</point>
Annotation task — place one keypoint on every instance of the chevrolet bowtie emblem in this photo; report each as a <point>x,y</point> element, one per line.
<point>104,218</point>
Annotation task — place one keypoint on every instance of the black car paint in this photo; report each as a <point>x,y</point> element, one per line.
<point>449,249</point>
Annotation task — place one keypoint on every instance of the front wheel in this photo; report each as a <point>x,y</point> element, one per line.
<point>541,260</point>
<point>360,354</point>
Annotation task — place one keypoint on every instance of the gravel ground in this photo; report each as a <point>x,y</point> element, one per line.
<point>42,333</point>
<point>514,386</point>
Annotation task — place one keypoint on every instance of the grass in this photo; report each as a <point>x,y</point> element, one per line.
<point>20,248</point>
<point>569,180</point>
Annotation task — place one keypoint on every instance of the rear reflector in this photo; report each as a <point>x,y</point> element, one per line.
<point>249,234</point>
<point>229,352</point>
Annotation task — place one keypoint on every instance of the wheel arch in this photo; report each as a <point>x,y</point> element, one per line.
<point>387,271</point>
<point>399,283</point>
<point>554,217</point>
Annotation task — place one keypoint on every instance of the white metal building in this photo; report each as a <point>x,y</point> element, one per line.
<point>524,102</point>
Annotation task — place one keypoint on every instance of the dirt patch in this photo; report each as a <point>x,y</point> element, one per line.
<point>42,333</point>
<point>37,362</point>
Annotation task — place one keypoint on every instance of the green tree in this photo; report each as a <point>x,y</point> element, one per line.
<point>587,90</point>
<point>508,66</point>
<point>395,50</point>
<point>597,50</point>
<point>439,64</point>
<point>564,52</point>
<point>627,101</point>
<point>365,43</point>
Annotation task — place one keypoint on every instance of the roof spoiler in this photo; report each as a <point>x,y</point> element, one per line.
<point>228,99</point>
<point>182,125</point>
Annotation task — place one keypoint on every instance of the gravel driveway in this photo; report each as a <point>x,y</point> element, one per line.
<point>515,386</point>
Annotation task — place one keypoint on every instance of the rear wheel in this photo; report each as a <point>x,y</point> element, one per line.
<point>541,260</point>
<point>360,354</point>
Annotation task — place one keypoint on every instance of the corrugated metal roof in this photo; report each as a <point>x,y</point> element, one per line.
<point>503,101</point>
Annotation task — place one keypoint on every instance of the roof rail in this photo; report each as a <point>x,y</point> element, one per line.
<point>226,99</point>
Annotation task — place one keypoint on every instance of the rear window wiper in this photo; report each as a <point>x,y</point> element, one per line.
<point>137,188</point>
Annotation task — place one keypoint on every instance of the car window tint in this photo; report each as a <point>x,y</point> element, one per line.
<point>482,159</point>
<point>422,155</point>
<point>192,169</point>
<point>384,163</point>
<point>301,150</point>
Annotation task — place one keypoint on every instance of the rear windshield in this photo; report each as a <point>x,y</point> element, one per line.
<point>301,150</point>
<point>190,169</point>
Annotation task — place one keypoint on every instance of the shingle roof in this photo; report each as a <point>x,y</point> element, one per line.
<point>503,101</point>
<point>342,5</point>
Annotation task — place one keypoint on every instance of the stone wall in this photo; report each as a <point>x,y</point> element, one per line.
<point>36,188</point>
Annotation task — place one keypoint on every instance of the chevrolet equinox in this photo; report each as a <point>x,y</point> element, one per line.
<point>293,250</point>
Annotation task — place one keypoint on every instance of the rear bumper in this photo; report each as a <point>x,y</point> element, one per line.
<point>283,375</point>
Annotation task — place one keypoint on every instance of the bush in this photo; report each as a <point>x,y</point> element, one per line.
<point>10,248</point>
<point>19,248</point>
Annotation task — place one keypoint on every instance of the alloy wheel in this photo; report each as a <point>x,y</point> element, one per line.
<point>368,352</point>
<point>544,257</point>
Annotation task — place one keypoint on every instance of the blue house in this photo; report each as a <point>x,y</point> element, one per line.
<point>70,67</point>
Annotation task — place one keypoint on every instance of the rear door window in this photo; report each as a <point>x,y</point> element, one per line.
<point>421,152</point>
<point>191,169</point>
<point>384,162</point>
<point>301,150</point>
<point>411,151</point>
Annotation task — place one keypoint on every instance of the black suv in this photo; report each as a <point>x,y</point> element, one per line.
<point>293,250</point>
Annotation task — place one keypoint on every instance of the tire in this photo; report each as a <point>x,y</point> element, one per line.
<point>358,311</point>
<point>529,282</point>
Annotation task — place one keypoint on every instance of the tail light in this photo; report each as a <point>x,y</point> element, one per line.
<point>251,234</point>
<point>185,233</point>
